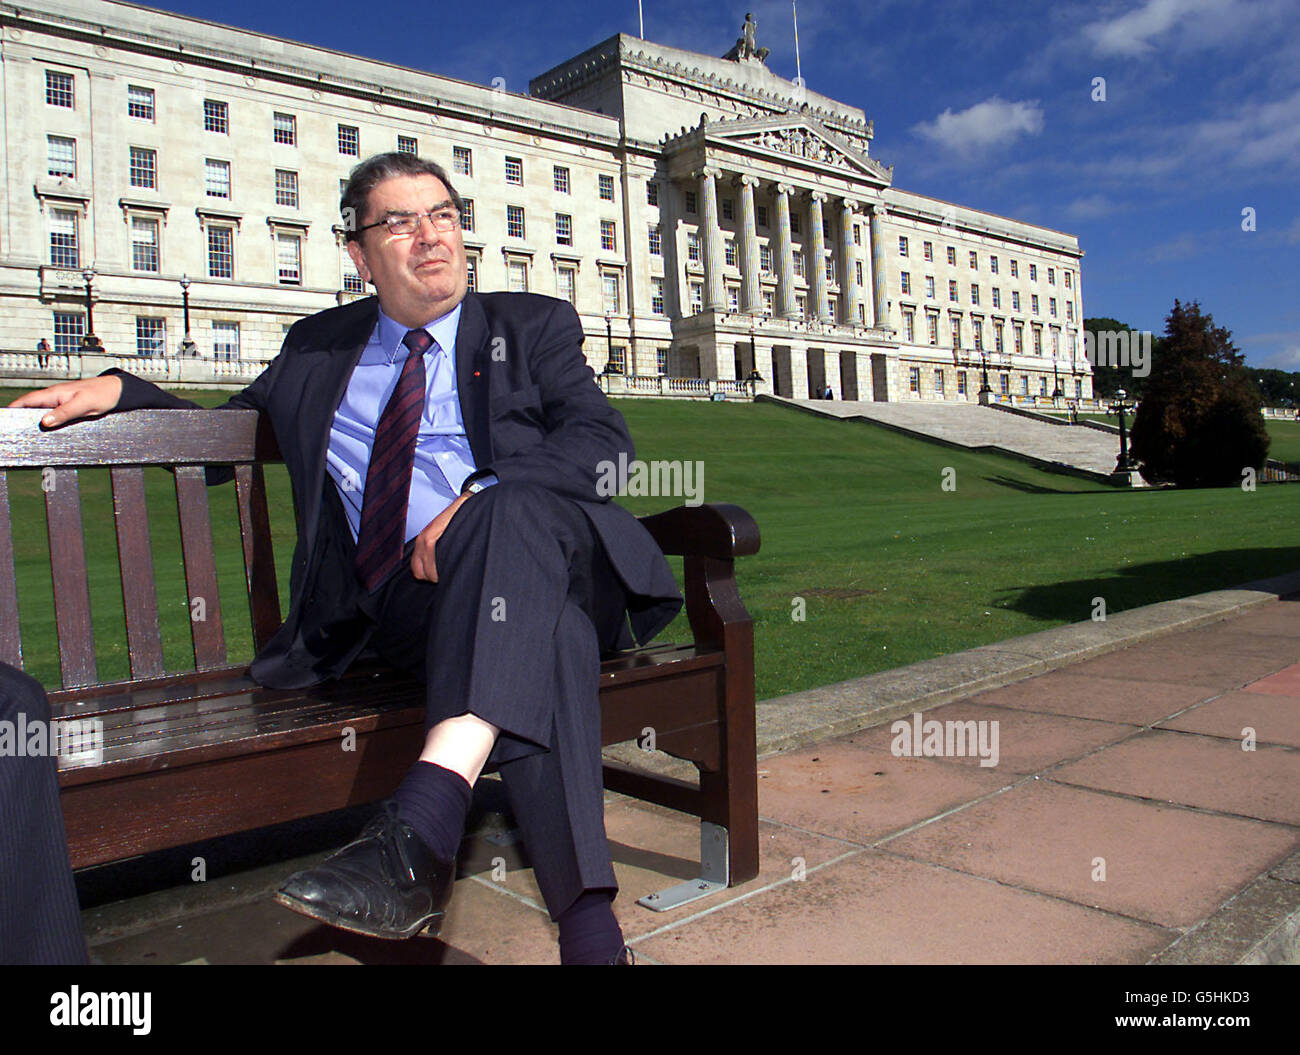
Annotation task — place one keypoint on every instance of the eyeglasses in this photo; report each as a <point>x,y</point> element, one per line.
<point>444,218</point>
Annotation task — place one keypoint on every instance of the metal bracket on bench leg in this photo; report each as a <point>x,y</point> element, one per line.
<point>715,873</point>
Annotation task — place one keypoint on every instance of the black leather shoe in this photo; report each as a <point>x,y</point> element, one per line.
<point>386,883</point>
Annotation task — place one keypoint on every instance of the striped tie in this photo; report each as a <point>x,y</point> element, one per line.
<point>388,478</point>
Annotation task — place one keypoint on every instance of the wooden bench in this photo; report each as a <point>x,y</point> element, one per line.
<point>206,752</point>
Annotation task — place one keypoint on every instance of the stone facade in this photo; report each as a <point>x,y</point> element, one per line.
<point>708,218</point>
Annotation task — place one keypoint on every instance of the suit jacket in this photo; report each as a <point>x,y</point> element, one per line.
<point>532,411</point>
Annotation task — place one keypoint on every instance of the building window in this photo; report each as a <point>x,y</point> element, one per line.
<point>58,89</point>
<point>978,328</point>
<point>661,361</point>
<point>656,240</point>
<point>61,156</point>
<point>1051,306</point>
<point>828,265</point>
<point>956,332</point>
<point>1067,280</point>
<point>1033,302</point>
<point>64,251</point>
<point>1015,300</point>
<point>997,297</point>
<point>929,287</point>
<point>144,244</point>
<point>1051,276</point>
<point>927,250</point>
<point>408,145</point>
<point>905,283</point>
<point>515,171</point>
<point>609,292</point>
<point>799,265</point>
<point>349,140</point>
<point>914,379</point>
<point>932,327</point>
<point>961,382</point>
<point>1033,272</point>
<point>1015,268</point>
<point>993,264</point>
<point>909,326</point>
<point>69,329</point>
<point>471,268</point>
<point>857,272</point>
<point>605,186</point>
<point>216,178</point>
<point>221,252</point>
<point>657,296</point>
<point>760,213</point>
<point>768,305</point>
<point>697,298</point>
<point>765,259</point>
<point>559,179</point>
<point>1038,341</point>
<point>1056,344</point>
<point>691,202</point>
<point>1004,383</point>
<point>997,337</point>
<point>794,223</point>
<point>286,188</point>
<point>952,257</point>
<point>938,382</point>
<point>139,102</point>
<point>652,193</point>
<point>733,299</point>
<point>467,215</point>
<point>517,276</point>
<point>284,129</point>
<point>902,246</point>
<point>1069,311</point>
<point>608,239</point>
<point>514,221</point>
<point>857,234</point>
<point>693,247</point>
<point>216,117</point>
<point>352,280</point>
<point>288,259</point>
<point>225,341</point>
<point>150,337</point>
<point>1018,332</point>
<point>144,168</point>
<point>728,209</point>
<point>462,161</point>
<point>563,229</point>
<point>974,294</point>
<point>974,261</point>
<point>1078,388</point>
<point>952,290</point>
<point>729,252</point>
<point>566,285</point>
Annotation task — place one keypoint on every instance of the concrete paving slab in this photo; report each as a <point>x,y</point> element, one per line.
<point>1200,771</point>
<point>1168,866</point>
<point>1283,683</point>
<point>875,908</point>
<point>1120,700</point>
<point>1270,718</point>
<point>1219,672</point>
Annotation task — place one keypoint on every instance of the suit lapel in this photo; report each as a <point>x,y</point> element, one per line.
<point>472,378</point>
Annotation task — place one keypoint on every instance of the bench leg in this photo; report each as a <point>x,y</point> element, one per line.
<point>715,870</point>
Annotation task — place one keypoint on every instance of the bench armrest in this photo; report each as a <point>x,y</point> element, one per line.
<point>716,529</point>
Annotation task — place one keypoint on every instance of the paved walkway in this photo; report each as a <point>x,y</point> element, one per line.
<point>1144,807</point>
<point>983,428</point>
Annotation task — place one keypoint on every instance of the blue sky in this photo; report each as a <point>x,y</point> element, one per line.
<point>985,104</point>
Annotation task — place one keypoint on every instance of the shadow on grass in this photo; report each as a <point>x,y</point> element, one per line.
<point>1037,489</point>
<point>1141,584</point>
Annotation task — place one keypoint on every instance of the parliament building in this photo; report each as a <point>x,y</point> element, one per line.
<point>718,227</point>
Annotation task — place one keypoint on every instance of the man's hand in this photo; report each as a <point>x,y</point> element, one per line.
<point>422,563</point>
<point>74,400</point>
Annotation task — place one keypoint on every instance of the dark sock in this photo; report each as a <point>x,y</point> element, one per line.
<point>589,933</point>
<point>434,802</point>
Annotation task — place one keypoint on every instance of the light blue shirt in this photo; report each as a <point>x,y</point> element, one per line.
<point>442,456</point>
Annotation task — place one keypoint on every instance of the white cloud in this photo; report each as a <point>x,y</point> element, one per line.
<point>1091,207</point>
<point>1137,31</point>
<point>995,122</point>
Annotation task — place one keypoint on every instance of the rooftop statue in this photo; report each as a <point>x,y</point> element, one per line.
<point>745,48</point>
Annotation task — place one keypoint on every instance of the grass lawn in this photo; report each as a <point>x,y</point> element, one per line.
<point>1286,440</point>
<point>887,566</point>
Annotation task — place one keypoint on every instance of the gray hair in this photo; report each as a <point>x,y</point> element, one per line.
<point>373,171</point>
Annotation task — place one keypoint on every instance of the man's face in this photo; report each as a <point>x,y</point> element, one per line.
<point>421,276</point>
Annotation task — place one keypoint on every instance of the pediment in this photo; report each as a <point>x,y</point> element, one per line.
<point>790,135</point>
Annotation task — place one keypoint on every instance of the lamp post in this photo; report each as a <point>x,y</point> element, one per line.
<point>985,388</point>
<point>1123,464</point>
<point>90,343</point>
<point>609,342</point>
<point>1056,390</point>
<point>188,347</point>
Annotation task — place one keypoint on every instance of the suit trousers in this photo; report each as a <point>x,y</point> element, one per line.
<point>40,921</point>
<point>526,601</point>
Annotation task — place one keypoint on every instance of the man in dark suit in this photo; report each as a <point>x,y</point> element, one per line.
<point>444,450</point>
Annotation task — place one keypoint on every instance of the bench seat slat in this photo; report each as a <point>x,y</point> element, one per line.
<point>68,571</point>
<point>200,568</point>
<point>11,642</point>
<point>135,557</point>
<point>259,560</point>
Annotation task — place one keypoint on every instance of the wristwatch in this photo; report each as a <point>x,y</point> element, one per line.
<point>482,483</point>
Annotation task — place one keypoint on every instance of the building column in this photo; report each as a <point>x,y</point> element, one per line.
<point>675,294</point>
<point>715,293</point>
<point>751,292</point>
<point>786,307</point>
<point>850,297</point>
<point>817,280</point>
<point>879,278</point>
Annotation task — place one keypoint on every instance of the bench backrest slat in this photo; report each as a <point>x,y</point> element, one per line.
<point>68,572</point>
<point>200,568</point>
<point>135,557</point>
<point>259,557</point>
<point>11,641</point>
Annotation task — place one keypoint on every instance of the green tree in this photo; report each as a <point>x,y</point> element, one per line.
<point>1199,422</point>
<point>1107,378</point>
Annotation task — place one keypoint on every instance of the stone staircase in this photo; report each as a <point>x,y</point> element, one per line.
<point>1085,451</point>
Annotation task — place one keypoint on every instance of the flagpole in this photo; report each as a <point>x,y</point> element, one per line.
<point>798,70</point>
<point>640,17</point>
